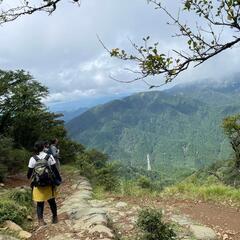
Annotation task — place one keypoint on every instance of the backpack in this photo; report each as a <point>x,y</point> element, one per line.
<point>42,172</point>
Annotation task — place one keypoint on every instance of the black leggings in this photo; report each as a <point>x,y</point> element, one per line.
<point>40,208</point>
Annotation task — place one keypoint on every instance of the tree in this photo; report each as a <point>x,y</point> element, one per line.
<point>27,7</point>
<point>231,126</point>
<point>203,42</point>
<point>23,116</point>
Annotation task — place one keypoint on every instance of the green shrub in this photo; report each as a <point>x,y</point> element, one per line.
<point>3,172</point>
<point>9,210</point>
<point>21,196</point>
<point>144,182</point>
<point>108,177</point>
<point>152,226</point>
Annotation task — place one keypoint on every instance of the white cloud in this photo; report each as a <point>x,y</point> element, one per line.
<point>63,52</point>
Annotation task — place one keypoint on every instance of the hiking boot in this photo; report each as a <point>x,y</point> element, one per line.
<point>54,220</point>
<point>41,223</point>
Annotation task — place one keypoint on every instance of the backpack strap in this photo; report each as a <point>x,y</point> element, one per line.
<point>36,158</point>
<point>47,157</point>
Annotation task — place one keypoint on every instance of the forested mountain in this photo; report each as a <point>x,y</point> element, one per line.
<point>177,127</point>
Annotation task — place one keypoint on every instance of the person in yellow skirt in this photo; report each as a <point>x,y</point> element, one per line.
<point>45,177</point>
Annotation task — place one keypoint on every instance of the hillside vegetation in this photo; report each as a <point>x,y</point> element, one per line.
<point>180,127</point>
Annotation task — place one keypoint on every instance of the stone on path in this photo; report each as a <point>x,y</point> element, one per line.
<point>12,226</point>
<point>121,205</point>
<point>102,229</point>
<point>65,236</point>
<point>24,235</point>
<point>6,237</point>
<point>181,220</point>
<point>86,215</point>
<point>203,233</point>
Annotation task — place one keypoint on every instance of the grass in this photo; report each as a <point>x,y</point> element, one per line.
<point>69,168</point>
<point>213,192</point>
<point>99,193</point>
<point>16,205</point>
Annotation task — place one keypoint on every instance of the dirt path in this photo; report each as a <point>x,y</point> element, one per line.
<point>225,220</point>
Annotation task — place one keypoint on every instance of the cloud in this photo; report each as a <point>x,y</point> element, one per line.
<point>63,52</point>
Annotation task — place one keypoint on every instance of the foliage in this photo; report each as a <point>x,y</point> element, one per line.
<point>151,223</point>
<point>10,210</point>
<point>202,42</point>
<point>231,127</point>
<point>70,150</point>
<point>23,116</point>
<point>214,192</point>
<point>95,166</point>
<point>180,132</point>
<point>24,119</point>
<point>144,182</point>
<point>3,172</point>
<point>22,197</point>
<point>107,176</point>
<point>6,160</point>
<point>27,8</point>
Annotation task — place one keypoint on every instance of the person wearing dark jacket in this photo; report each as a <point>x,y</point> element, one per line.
<point>41,194</point>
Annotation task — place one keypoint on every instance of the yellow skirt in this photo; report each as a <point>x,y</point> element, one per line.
<point>41,194</point>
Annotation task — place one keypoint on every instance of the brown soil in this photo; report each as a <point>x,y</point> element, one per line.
<point>223,219</point>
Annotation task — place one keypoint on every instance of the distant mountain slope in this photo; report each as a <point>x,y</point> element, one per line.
<point>69,115</point>
<point>176,127</point>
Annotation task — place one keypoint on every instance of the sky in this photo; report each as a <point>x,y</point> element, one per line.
<point>62,50</point>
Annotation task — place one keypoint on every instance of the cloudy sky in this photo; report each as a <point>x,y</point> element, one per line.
<point>63,52</point>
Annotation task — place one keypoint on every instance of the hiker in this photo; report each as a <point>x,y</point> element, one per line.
<point>45,177</point>
<point>54,151</point>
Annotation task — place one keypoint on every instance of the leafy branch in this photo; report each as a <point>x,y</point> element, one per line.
<point>27,8</point>
<point>203,43</point>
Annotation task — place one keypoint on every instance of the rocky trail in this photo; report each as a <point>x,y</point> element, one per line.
<point>83,217</point>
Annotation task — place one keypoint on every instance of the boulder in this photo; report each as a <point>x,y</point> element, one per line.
<point>12,226</point>
<point>202,232</point>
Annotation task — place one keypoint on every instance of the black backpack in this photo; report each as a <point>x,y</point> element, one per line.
<point>42,172</point>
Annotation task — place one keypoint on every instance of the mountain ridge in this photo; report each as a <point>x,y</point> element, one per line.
<point>175,128</point>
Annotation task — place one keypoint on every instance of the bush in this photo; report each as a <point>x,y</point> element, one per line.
<point>152,226</point>
<point>9,210</point>
<point>21,196</point>
<point>95,166</point>
<point>3,172</point>
<point>108,177</point>
<point>144,182</point>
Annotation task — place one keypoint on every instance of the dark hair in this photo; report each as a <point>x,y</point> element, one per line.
<point>38,147</point>
<point>53,141</point>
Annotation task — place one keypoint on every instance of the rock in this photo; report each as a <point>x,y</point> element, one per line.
<point>102,229</point>
<point>181,220</point>
<point>24,235</point>
<point>7,237</point>
<point>29,218</point>
<point>2,185</point>
<point>65,236</point>
<point>202,232</point>
<point>12,226</point>
<point>225,237</point>
<point>121,205</point>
